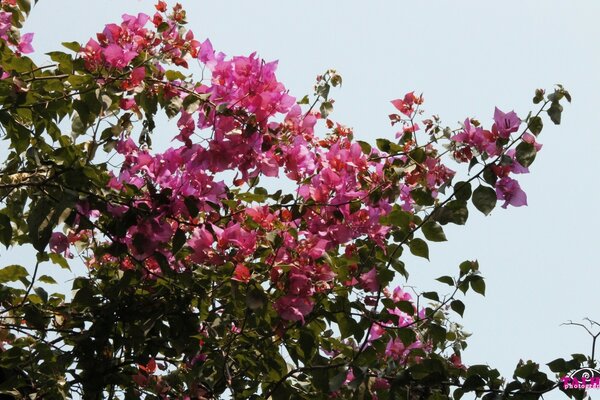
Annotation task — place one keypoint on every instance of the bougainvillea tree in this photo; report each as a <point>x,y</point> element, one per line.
<point>204,278</point>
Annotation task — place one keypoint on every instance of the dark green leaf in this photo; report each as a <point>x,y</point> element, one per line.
<point>431,296</point>
<point>484,199</point>
<point>338,380</point>
<point>178,240</point>
<point>418,155</point>
<point>41,293</point>
<point>468,266</point>
<point>478,285</point>
<point>555,111</point>
<point>438,333</point>
<point>489,176</point>
<point>383,145</point>
<point>558,365</point>
<point>473,382</point>
<point>42,218</point>
<point>458,306</point>
<point>455,211</point>
<point>6,230</point>
<point>399,218</point>
<point>525,153</point>
<point>525,370</point>
<point>462,191</point>
<point>422,197</point>
<point>365,147</point>
<point>539,96</point>
<point>433,232</point>
<point>256,298</point>
<point>419,248</point>
<point>448,280</point>
<point>536,125</point>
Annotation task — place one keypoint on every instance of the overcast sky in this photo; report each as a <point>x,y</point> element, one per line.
<point>540,261</point>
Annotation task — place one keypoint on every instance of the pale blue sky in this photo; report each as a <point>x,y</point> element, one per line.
<point>466,57</point>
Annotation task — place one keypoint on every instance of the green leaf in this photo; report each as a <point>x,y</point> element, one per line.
<point>539,96</point>
<point>422,197</point>
<point>338,380</point>
<point>326,109</point>
<point>174,75</point>
<point>473,382</point>
<point>458,306</point>
<point>42,218</point>
<point>448,280</point>
<point>525,370</point>
<point>304,100</point>
<point>478,285</point>
<point>12,273</point>
<point>47,279</point>
<point>59,260</point>
<point>365,147</point>
<point>399,218</point>
<point>555,111</point>
<point>467,267</point>
<point>6,230</point>
<point>405,306</point>
<point>178,240</point>
<point>458,394</point>
<point>433,232</point>
<point>308,343</point>
<point>438,333</point>
<point>526,153</point>
<point>74,46</point>
<point>41,293</point>
<point>431,296</point>
<point>536,125</point>
<point>419,248</point>
<point>383,145</point>
<point>455,211</point>
<point>418,155</point>
<point>484,199</point>
<point>462,191</point>
<point>256,298</point>
<point>489,176</point>
<point>558,365</point>
<point>24,5</point>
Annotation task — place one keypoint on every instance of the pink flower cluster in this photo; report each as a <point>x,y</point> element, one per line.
<point>491,143</point>
<point>247,124</point>
<point>9,33</point>
<point>119,44</point>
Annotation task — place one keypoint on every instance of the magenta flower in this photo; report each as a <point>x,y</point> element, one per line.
<point>368,281</point>
<point>58,243</point>
<point>25,43</point>
<point>299,284</point>
<point>293,308</point>
<point>118,57</point>
<point>508,189</point>
<point>505,123</point>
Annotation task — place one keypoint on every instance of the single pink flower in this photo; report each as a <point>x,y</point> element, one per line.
<point>508,189</point>
<point>505,123</point>
<point>59,243</point>
<point>293,308</point>
<point>25,43</point>
<point>368,281</point>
